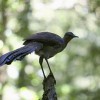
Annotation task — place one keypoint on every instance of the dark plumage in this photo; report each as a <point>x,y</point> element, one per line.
<point>45,44</point>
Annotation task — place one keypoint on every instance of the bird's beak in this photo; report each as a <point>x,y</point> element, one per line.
<point>76,37</point>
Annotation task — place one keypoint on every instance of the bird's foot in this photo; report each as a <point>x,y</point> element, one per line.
<point>50,79</point>
<point>45,77</point>
<point>51,74</point>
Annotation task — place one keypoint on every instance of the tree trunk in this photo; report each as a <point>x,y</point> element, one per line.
<point>49,88</point>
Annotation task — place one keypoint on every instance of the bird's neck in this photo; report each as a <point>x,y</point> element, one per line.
<point>66,41</point>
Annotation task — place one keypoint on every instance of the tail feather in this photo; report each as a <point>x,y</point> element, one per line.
<point>19,54</point>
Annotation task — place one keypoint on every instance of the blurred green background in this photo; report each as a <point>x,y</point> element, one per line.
<point>76,69</point>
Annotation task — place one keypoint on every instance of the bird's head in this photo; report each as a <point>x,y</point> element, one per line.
<point>68,36</point>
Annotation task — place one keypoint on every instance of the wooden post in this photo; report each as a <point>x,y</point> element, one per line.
<point>49,88</point>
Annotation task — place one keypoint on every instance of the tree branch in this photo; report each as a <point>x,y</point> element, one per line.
<point>49,88</point>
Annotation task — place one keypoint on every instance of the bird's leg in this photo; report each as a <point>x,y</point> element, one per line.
<point>41,61</point>
<point>49,66</point>
<point>51,73</point>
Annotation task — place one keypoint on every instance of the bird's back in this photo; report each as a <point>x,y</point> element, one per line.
<point>47,38</point>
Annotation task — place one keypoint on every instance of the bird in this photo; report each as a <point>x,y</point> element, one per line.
<point>44,44</point>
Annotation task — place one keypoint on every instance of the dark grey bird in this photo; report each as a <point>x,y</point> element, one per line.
<point>44,44</point>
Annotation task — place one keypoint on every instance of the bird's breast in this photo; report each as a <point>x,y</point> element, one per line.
<point>48,51</point>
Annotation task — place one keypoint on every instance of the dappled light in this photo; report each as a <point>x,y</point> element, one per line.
<point>76,69</point>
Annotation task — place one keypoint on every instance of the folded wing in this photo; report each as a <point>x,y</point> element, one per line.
<point>47,38</point>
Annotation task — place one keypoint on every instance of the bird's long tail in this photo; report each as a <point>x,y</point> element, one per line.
<point>20,53</point>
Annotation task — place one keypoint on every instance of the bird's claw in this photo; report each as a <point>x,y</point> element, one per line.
<point>51,74</point>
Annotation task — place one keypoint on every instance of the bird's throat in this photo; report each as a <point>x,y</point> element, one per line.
<point>66,41</point>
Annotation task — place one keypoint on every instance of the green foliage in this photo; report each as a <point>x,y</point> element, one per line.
<point>76,69</point>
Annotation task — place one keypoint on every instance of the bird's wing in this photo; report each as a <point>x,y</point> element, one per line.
<point>20,53</point>
<point>47,38</point>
